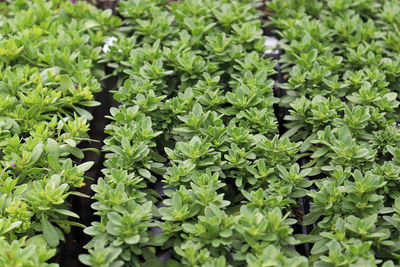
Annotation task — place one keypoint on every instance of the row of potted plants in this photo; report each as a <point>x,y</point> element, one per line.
<point>195,172</point>
<point>342,93</point>
<point>48,67</point>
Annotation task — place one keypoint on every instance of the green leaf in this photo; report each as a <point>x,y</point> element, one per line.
<point>85,166</point>
<point>75,151</point>
<point>33,111</point>
<point>53,163</point>
<point>54,154</point>
<point>70,223</point>
<point>84,113</point>
<point>386,210</point>
<point>36,153</point>
<point>12,226</point>
<point>90,103</point>
<point>70,142</point>
<point>320,152</point>
<point>145,173</point>
<point>307,238</point>
<point>79,194</point>
<point>49,233</point>
<point>226,233</point>
<point>320,246</point>
<point>292,131</point>
<point>67,213</point>
<point>90,24</point>
<point>310,218</point>
<point>66,84</point>
<point>53,147</point>
<point>132,239</point>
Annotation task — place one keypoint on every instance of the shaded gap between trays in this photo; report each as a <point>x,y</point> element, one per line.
<point>77,239</point>
<point>303,207</point>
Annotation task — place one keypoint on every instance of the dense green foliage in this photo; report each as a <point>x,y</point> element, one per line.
<point>196,173</point>
<point>342,57</point>
<point>196,123</point>
<point>48,51</point>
